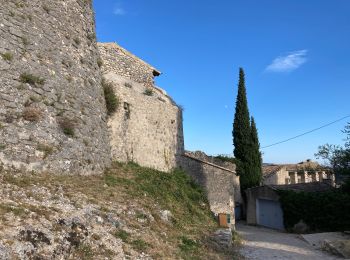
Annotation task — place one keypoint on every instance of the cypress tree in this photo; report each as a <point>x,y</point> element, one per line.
<point>242,134</point>
<point>256,173</point>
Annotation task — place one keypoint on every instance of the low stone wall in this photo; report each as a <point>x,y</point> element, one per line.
<point>219,183</point>
<point>52,108</point>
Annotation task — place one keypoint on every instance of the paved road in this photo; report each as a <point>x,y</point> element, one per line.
<point>266,244</point>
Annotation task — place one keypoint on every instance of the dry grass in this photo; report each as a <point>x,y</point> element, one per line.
<point>32,114</point>
<point>139,188</point>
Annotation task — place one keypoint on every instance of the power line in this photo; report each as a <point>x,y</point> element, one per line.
<point>308,132</point>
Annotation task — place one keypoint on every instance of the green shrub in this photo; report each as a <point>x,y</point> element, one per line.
<point>148,92</point>
<point>225,158</point>
<point>112,101</point>
<point>123,235</point>
<point>326,211</point>
<point>8,56</point>
<point>139,245</point>
<point>187,244</point>
<point>31,79</point>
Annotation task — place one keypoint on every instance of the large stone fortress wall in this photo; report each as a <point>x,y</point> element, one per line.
<point>52,109</point>
<point>147,127</point>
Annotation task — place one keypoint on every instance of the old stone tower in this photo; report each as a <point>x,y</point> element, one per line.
<point>147,127</point>
<point>52,108</point>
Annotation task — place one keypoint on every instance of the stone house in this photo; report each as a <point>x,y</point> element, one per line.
<point>304,172</point>
<point>264,207</point>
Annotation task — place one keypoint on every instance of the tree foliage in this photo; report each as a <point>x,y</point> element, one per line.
<point>325,211</point>
<point>337,157</point>
<point>245,140</point>
<point>256,167</point>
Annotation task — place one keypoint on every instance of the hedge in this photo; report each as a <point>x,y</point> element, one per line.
<point>326,211</point>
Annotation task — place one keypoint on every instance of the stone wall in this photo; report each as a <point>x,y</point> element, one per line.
<point>221,184</point>
<point>147,126</point>
<point>145,129</point>
<point>123,63</point>
<point>231,167</point>
<point>52,109</point>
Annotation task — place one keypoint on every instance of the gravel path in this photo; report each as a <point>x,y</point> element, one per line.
<point>263,243</point>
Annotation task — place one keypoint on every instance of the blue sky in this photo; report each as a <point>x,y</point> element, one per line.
<point>296,56</point>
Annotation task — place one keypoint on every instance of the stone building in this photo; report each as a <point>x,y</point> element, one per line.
<point>147,127</point>
<point>52,108</point>
<point>218,179</point>
<point>303,172</point>
<point>53,114</point>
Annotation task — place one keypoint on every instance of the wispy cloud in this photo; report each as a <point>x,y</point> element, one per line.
<point>290,62</point>
<point>118,9</point>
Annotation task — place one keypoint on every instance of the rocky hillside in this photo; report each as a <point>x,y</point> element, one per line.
<point>128,213</point>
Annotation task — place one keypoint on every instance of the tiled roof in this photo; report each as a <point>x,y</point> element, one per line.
<point>269,169</point>
<point>304,166</point>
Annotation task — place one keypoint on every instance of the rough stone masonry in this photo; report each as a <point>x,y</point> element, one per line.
<point>52,108</point>
<point>147,127</point>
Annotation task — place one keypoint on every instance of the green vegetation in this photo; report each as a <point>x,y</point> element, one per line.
<point>123,235</point>
<point>31,79</point>
<point>67,125</point>
<point>245,140</point>
<point>25,41</point>
<point>148,92</point>
<point>256,166</point>
<point>326,211</point>
<point>85,252</point>
<point>139,245</point>
<point>188,245</point>
<point>336,156</point>
<point>112,101</point>
<point>185,236</point>
<point>7,208</point>
<point>8,56</point>
<point>225,158</point>
<point>46,149</point>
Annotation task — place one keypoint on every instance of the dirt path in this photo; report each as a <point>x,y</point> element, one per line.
<point>265,244</point>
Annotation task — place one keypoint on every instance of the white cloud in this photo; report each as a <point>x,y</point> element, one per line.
<point>119,11</point>
<point>289,62</point>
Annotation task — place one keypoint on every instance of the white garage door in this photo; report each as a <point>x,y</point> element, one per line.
<point>269,214</point>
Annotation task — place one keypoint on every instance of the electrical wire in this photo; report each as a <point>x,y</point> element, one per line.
<point>308,132</point>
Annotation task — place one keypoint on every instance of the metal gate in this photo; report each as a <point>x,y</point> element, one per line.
<point>269,214</point>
